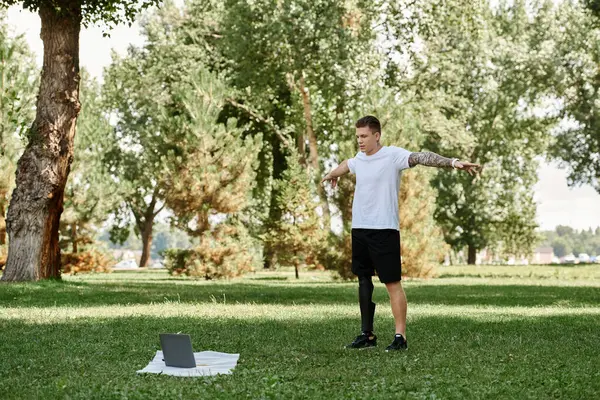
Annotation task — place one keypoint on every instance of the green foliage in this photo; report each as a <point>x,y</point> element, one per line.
<point>298,236</point>
<point>593,6</point>
<point>270,46</point>
<point>3,256</point>
<point>566,240</point>
<point>18,79</point>
<point>90,260</point>
<point>577,83</point>
<point>148,139</point>
<point>120,230</point>
<point>169,148</point>
<point>300,64</point>
<point>487,66</point>
<point>215,173</point>
<point>109,12</point>
<point>226,252</point>
<point>86,203</point>
<point>166,237</point>
<point>176,260</point>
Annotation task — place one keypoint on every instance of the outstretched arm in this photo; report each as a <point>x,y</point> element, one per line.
<point>333,176</point>
<point>435,160</point>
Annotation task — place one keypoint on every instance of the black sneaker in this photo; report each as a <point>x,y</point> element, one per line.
<point>363,341</point>
<point>399,343</point>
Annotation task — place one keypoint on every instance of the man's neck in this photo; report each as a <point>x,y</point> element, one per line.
<point>375,150</point>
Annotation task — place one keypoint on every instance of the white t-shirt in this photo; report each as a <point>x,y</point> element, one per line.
<point>375,204</point>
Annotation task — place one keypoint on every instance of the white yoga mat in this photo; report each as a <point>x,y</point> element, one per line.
<point>207,363</point>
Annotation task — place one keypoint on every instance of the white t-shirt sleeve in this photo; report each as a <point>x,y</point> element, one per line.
<point>352,164</point>
<point>401,158</point>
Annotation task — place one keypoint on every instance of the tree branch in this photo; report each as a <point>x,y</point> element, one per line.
<point>282,135</point>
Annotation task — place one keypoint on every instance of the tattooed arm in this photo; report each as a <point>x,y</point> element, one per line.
<point>429,159</point>
<point>435,160</point>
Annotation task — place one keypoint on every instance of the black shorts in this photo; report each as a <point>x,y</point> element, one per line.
<point>377,250</point>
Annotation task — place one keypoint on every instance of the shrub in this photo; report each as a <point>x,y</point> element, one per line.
<point>3,255</point>
<point>89,260</point>
<point>226,252</point>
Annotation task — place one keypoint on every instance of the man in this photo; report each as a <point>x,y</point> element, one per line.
<point>375,222</point>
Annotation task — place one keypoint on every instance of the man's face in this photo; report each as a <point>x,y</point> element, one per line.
<point>367,140</point>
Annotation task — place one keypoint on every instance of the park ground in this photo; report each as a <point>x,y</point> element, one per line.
<point>474,332</point>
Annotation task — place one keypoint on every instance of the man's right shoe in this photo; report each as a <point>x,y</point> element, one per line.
<point>363,341</point>
<point>399,343</point>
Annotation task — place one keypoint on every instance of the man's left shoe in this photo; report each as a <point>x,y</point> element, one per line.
<point>399,343</point>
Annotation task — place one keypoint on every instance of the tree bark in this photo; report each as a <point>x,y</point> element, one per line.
<point>2,223</point>
<point>472,255</point>
<point>37,201</point>
<point>202,223</point>
<point>314,153</point>
<point>146,242</point>
<point>310,133</point>
<point>145,224</point>
<point>74,236</point>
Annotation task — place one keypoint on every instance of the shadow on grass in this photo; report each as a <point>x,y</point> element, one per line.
<point>449,357</point>
<point>46,294</point>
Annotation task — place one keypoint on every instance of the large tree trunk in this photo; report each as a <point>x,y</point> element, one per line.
<point>37,201</point>
<point>472,255</point>
<point>314,154</point>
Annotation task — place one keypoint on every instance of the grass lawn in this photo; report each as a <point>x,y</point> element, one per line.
<point>474,332</point>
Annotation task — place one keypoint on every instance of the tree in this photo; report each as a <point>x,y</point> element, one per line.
<point>86,204</point>
<point>561,247</point>
<point>218,172</point>
<point>593,6</point>
<point>37,201</point>
<point>485,64</point>
<point>300,64</point>
<point>577,82</point>
<point>169,147</point>
<point>149,137</point>
<point>298,236</point>
<point>165,237</point>
<point>562,230</point>
<point>141,141</point>
<point>17,82</point>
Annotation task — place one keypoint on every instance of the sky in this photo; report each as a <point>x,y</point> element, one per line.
<point>578,207</point>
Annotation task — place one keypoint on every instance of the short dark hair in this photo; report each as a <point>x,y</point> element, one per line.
<point>370,121</point>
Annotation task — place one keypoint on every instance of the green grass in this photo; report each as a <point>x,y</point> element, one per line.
<point>564,272</point>
<point>516,335</point>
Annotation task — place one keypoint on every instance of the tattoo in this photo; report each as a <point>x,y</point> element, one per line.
<point>429,159</point>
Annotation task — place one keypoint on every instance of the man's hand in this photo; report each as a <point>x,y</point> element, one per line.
<point>330,179</point>
<point>472,169</point>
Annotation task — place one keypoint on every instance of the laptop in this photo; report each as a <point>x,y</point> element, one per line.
<point>177,350</point>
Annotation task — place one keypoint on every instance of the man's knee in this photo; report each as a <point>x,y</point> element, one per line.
<point>365,281</point>
<point>394,287</point>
